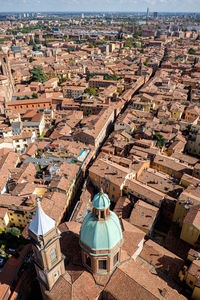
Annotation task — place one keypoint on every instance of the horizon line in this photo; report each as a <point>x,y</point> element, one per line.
<point>100,11</point>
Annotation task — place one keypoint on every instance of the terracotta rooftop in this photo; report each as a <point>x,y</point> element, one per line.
<point>143,215</point>
<point>162,259</point>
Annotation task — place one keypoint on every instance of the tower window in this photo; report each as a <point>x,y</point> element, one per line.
<point>102,214</point>
<point>38,256</point>
<point>53,255</point>
<point>102,264</point>
<point>88,261</point>
<point>97,214</point>
<point>115,260</point>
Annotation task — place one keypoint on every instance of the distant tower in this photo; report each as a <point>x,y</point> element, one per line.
<point>155,14</point>
<point>5,71</point>
<point>147,16</point>
<point>49,261</point>
<point>101,237</point>
<point>140,67</point>
<point>82,16</point>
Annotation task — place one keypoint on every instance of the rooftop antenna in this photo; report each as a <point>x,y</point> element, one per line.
<point>187,203</point>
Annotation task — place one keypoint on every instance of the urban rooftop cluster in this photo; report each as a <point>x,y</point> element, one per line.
<point>99,156</point>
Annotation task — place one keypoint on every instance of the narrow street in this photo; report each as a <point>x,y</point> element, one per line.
<point>80,189</point>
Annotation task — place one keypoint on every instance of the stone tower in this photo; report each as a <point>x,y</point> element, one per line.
<point>6,81</point>
<point>48,259</point>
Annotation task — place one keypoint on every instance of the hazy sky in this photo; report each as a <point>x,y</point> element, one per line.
<point>100,5</point>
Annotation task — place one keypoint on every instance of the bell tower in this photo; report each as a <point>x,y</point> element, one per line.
<point>48,259</point>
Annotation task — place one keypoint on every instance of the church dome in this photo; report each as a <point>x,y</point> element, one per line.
<point>100,233</point>
<point>101,201</point>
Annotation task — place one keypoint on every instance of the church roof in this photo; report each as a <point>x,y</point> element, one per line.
<point>41,223</point>
<point>101,234</point>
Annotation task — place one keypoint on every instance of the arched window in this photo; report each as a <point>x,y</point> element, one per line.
<point>53,255</point>
<point>88,261</point>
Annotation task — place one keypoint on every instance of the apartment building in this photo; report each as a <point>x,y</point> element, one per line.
<point>95,133</point>
<point>98,82</point>
<point>110,176</point>
<point>170,166</point>
<point>33,122</point>
<point>71,91</point>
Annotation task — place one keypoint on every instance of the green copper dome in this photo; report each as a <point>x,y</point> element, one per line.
<point>101,201</point>
<point>101,234</point>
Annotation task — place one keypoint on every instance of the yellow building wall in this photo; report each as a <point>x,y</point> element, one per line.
<point>167,170</point>
<point>189,234</point>
<point>181,275</point>
<point>19,219</point>
<point>147,108</point>
<point>184,183</point>
<point>190,280</point>
<point>110,188</point>
<point>176,114</point>
<point>179,213</point>
<point>196,293</point>
<point>40,191</point>
<point>2,224</point>
<point>146,165</point>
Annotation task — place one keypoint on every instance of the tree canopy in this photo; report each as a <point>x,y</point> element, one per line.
<point>192,51</point>
<point>35,48</point>
<point>13,231</point>
<point>91,91</point>
<point>110,77</point>
<point>37,74</point>
<point>34,95</point>
<point>160,139</point>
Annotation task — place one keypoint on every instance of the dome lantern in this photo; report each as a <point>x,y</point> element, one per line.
<point>101,205</point>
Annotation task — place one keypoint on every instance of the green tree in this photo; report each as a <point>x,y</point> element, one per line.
<point>31,43</point>
<point>37,74</point>
<point>160,139</point>
<point>37,41</point>
<point>13,232</point>
<point>91,91</point>
<point>191,51</point>
<point>31,59</point>
<point>35,48</point>
<point>91,45</point>
<point>26,97</point>
<point>129,43</point>
<point>110,77</point>
<point>34,95</point>
<point>137,33</point>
